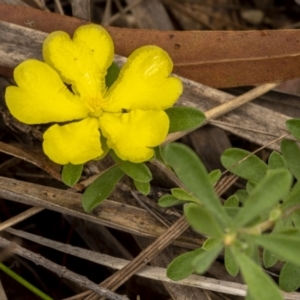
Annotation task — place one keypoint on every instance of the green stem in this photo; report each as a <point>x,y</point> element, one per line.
<point>24,282</point>
<point>259,228</point>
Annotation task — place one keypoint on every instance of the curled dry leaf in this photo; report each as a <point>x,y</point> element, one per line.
<point>34,156</point>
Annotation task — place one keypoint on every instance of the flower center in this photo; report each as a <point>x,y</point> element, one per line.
<point>95,105</point>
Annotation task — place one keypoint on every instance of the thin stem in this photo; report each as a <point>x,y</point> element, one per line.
<point>24,282</point>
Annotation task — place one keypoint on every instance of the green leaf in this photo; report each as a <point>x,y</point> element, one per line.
<point>283,244</point>
<point>202,220</point>
<point>249,296</point>
<point>210,243</point>
<point>293,126</point>
<point>252,168</point>
<point>231,265</point>
<point>260,285</point>
<point>158,154</point>
<point>214,176</point>
<point>242,195</point>
<point>101,188</point>
<point>269,258</point>
<point>291,152</point>
<point>168,201</point>
<point>142,187</point>
<point>250,186</point>
<point>294,197</point>
<point>184,118</point>
<point>181,267</point>
<point>232,201</point>
<point>232,205</point>
<point>112,74</point>
<point>296,219</point>
<point>276,160</point>
<point>71,174</point>
<point>264,196</point>
<point>289,278</point>
<point>204,260</point>
<point>137,171</point>
<point>181,194</point>
<point>192,173</point>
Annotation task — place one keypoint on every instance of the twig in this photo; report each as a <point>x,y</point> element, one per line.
<point>81,9</point>
<point>150,211</point>
<point>59,7</point>
<point>20,217</point>
<point>123,11</point>
<point>60,271</point>
<point>226,107</point>
<point>106,14</point>
<point>117,279</point>
<point>155,273</point>
<point>255,151</point>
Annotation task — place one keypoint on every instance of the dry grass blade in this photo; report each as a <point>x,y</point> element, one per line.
<point>81,9</point>
<point>2,292</point>
<point>132,220</point>
<point>20,217</point>
<point>155,273</point>
<point>59,7</point>
<point>59,270</point>
<point>117,279</point>
<point>227,107</point>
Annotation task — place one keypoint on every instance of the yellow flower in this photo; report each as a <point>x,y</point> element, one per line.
<point>70,86</point>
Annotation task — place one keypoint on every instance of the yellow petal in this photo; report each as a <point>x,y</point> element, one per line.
<point>133,135</point>
<point>83,61</point>
<point>144,82</point>
<point>41,96</point>
<point>74,143</point>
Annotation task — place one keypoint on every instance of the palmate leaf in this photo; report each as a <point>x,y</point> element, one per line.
<point>252,168</point>
<point>71,174</point>
<point>184,118</point>
<point>260,285</point>
<point>264,196</point>
<point>192,173</point>
<point>101,188</point>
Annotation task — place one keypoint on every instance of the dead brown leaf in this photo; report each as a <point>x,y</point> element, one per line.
<point>214,58</point>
